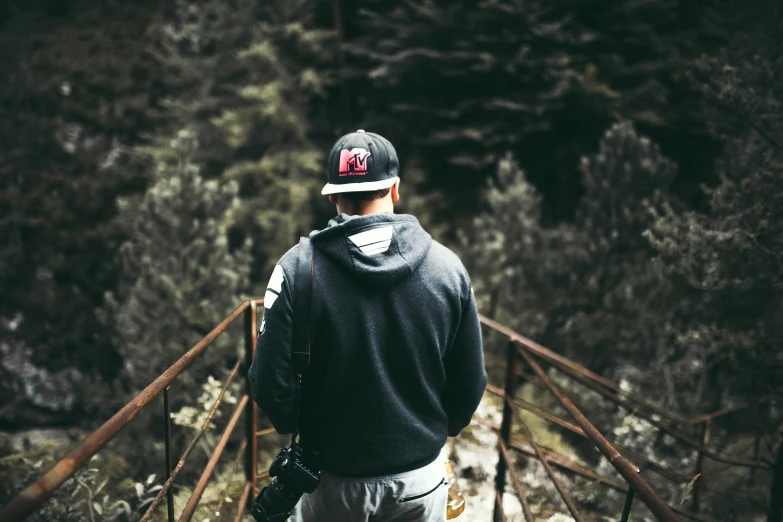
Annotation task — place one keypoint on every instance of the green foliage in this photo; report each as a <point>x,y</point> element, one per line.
<point>610,301</point>
<point>100,491</point>
<point>193,417</point>
<point>649,280</point>
<point>180,278</point>
<point>246,77</point>
<point>641,288</point>
<point>626,178</point>
<point>74,97</point>
<point>460,84</point>
<point>728,259</point>
<point>220,498</point>
<point>581,287</point>
<point>540,429</point>
<point>503,249</point>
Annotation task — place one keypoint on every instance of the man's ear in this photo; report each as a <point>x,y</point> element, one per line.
<point>395,191</point>
<point>333,199</point>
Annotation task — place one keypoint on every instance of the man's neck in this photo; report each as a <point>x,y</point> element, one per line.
<point>371,207</point>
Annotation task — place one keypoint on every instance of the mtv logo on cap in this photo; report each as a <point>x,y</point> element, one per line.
<point>361,162</point>
<point>353,162</point>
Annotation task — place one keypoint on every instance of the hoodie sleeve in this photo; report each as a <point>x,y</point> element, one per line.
<point>272,381</point>
<point>466,377</point>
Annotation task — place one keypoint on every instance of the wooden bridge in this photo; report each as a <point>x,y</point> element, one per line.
<point>524,360</point>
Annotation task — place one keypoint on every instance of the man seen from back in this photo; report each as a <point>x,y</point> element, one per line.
<point>396,362</point>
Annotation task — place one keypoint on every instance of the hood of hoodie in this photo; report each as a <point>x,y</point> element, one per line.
<point>380,248</point>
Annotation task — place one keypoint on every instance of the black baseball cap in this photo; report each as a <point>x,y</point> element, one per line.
<point>361,161</point>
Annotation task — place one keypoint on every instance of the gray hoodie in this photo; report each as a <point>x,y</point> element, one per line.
<point>396,357</point>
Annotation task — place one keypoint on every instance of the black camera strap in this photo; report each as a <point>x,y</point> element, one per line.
<point>300,339</point>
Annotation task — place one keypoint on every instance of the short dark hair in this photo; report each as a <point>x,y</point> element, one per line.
<point>361,197</point>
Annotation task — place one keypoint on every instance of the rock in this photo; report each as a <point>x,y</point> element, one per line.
<point>33,396</point>
<point>559,517</point>
<point>24,441</point>
<point>5,444</point>
<point>474,456</point>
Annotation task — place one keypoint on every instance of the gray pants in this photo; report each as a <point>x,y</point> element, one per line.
<point>415,496</point>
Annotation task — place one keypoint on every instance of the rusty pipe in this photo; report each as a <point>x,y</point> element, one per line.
<point>167,437</point>
<point>517,485</point>
<point>701,466</point>
<point>192,504</point>
<point>569,465</point>
<point>204,426</point>
<point>251,411</point>
<point>691,443</point>
<point>552,477</point>
<point>628,471</point>
<point>554,358</point>
<point>736,407</point>
<point>234,466</point>
<point>243,500</point>
<point>38,492</point>
<point>654,466</point>
<point>532,408</point>
<point>505,426</point>
<point>627,506</point>
<point>499,514</point>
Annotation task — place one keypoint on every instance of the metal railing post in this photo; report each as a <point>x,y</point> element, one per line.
<point>32,497</point>
<point>201,485</point>
<point>251,411</point>
<point>701,465</point>
<point>628,504</point>
<point>167,435</point>
<point>627,470</point>
<point>505,427</point>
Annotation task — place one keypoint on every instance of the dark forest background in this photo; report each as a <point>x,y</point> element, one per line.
<point>610,172</point>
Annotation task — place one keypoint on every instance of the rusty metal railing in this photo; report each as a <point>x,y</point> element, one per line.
<point>519,349</point>
<point>524,350</point>
<point>34,496</point>
<point>636,485</point>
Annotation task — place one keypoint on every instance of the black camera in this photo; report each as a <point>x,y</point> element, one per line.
<point>295,471</point>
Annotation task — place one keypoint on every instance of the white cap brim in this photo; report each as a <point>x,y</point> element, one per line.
<point>331,188</point>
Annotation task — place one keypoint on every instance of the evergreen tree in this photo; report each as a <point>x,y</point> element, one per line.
<point>462,82</point>
<point>729,258</point>
<point>612,309</point>
<point>726,261</point>
<point>246,77</point>
<point>76,90</point>
<point>180,277</point>
<point>588,289</point>
<point>503,250</point>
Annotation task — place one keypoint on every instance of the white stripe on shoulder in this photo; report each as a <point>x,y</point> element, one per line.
<point>269,299</point>
<point>374,241</point>
<point>276,281</point>
<point>275,287</point>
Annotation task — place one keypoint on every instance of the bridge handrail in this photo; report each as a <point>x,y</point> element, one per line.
<point>554,358</point>
<point>585,377</point>
<point>530,351</point>
<point>627,470</point>
<point>581,372</point>
<point>37,493</point>
<point>519,345</point>
<point>32,497</point>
